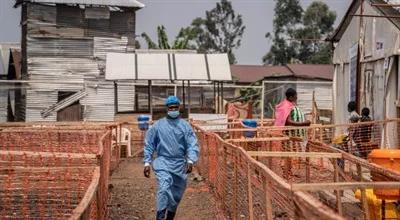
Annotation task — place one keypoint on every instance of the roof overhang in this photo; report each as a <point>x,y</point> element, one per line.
<point>168,66</point>
<point>355,4</point>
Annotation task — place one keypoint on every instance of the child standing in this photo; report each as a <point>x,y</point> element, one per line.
<point>364,134</point>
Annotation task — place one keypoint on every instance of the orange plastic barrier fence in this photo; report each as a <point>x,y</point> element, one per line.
<point>282,176</point>
<point>56,172</point>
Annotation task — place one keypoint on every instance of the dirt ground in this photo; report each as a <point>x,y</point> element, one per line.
<point>133,196</point>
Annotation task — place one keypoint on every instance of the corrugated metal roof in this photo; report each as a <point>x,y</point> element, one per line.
<point>312,71</point>
<point>167,66</point>
<point>119,3</point>
<point>254,73</point>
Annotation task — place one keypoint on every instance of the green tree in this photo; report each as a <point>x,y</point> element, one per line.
<point>288,15</point>
<point>220,31</point>
<point>299,36</point>
<point>318,22</point>
<point>180,42</point>
<point>250,94</point>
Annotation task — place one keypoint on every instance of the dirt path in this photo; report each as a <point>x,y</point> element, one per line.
<point>133,196</point>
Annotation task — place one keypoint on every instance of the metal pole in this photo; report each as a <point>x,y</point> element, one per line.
<point>183,97</point>
<point>222,98</point>
<point>262,103</point>
<point>150,98</point>
<point>175,90</point>
<point>115,98</point>
<point>136,107</point>
<point>189,102</point>
<point>218,101</point>
<point>215,100</point>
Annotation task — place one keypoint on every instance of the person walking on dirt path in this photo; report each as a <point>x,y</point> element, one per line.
<point>175,144</point>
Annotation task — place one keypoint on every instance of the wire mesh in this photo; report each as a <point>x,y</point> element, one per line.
<point>323,165</point>
<point>42,193</point>
<point>358,139</point>
<point>247,189</point>
<point>48,172</point>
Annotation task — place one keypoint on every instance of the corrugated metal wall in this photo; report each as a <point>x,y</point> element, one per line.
<point>37,101</point>
<point>376,30</point>
<point>372,82</point>
<point>341,96</point>
<point>68,51</point>
<point>3,105</point>
<point>99,103</point>
<point>126,97</point>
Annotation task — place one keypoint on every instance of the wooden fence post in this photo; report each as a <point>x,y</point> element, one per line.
<point>308,169</point>
<point>363,194</point>
<point>235,186</point>
<point>337,192</point>
<point>268,199</point>
<point>250,192</point>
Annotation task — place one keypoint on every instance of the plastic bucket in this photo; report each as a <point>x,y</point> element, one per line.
<point>143,122</point>
<point>249,123</point>
<point>389,159</point>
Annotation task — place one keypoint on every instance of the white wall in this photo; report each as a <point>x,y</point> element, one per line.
<point>323,96</point>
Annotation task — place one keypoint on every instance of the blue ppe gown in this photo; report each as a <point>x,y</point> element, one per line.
<point>174,143</point>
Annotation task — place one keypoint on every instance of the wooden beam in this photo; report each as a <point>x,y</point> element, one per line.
<point>244,140</point>
<point>385,5</point>
<point>294,154</point>
<point>235,186</point>
<point>268,198</point>
<point>48,154</point>
<point>344,186</point>
<point>375,16</point>
<point>229,129</point>
<point>51,169</point>
<point>338,193</point>
<point>250,192</point>
<point>364,199</point>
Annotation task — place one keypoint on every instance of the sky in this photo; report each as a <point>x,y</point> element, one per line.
<point>174,14</point>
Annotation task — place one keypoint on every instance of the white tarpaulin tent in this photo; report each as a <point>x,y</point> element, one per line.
<point>168,66</point>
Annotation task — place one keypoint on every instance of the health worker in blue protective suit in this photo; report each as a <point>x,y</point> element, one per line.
<point>176,148</point>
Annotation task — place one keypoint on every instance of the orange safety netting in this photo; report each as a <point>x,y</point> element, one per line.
<point>280,174</point>
<point>56,170</point>
<point>244,188</point>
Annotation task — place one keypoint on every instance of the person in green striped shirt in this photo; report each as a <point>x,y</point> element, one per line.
<point>297,115</point>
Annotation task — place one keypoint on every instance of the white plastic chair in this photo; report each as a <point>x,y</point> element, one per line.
<point>126,139</point>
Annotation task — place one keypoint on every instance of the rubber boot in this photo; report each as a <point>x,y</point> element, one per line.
<point>161,215</point>
<point>170,215</point>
